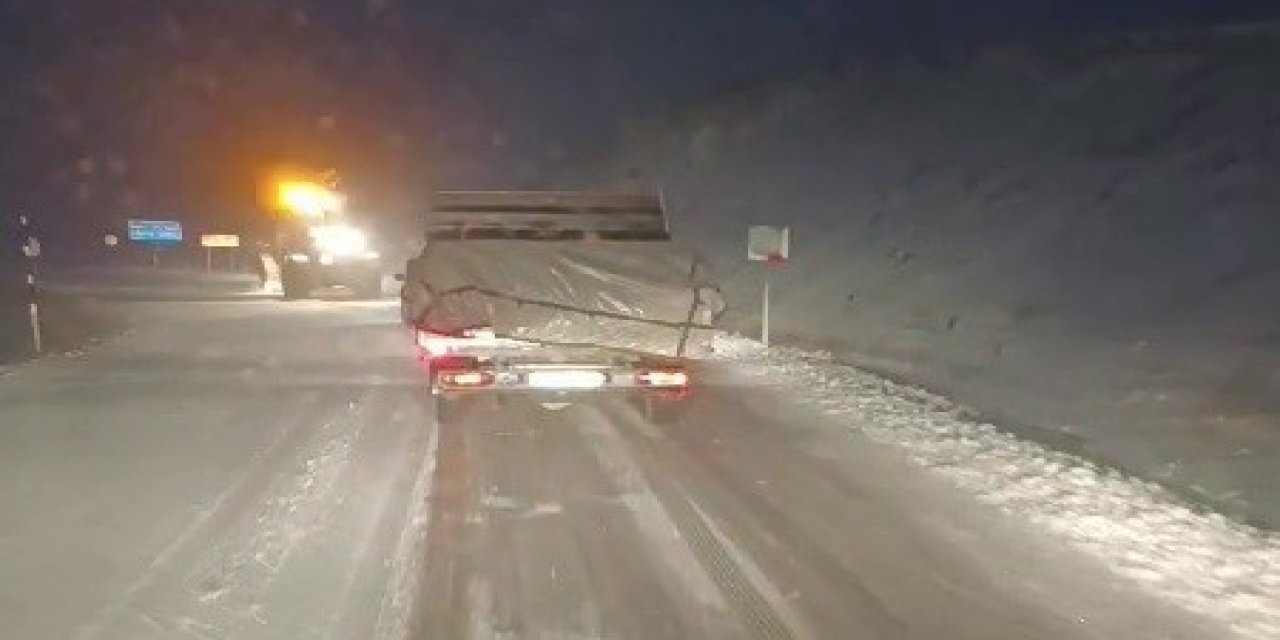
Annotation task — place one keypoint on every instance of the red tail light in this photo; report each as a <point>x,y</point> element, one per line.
<point>466,379</point>
<point>454,363</point>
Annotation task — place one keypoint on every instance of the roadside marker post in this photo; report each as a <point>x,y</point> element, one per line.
<point>771,246</point>
<point>31,249</point>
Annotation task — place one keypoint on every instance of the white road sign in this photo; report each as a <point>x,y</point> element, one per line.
<point>768,244</point>
<point>219,240</point>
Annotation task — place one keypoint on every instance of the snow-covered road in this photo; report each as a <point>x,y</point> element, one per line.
<point>256,469</point>
<point>225,470</point>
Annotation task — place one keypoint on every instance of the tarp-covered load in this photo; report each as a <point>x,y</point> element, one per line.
<point>647,295</point>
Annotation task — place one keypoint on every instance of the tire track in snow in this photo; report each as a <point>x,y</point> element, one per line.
<point>664,521</point>
<point>362,482</point>
<point>243,574</point>
<point>221,513</point>
<point>755,599</point>
<point>395,613</point>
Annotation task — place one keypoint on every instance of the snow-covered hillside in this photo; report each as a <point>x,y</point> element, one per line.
<point>1080,243</point>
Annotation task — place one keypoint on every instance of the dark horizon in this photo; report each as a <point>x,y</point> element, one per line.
<point>148,107</point>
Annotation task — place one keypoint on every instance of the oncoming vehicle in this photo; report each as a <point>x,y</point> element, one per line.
<point>556,294</point>
<point>317,246</point>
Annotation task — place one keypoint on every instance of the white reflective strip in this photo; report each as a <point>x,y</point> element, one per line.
<point>566,379</point>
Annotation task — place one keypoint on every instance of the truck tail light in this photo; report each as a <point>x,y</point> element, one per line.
<point>466,379</point>
<point>665,379</point>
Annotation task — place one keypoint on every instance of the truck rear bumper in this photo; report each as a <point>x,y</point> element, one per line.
<point>483,363</point>
<point>556,379</point>
<point>658,406</point>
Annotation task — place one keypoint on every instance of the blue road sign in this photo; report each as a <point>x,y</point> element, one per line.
<point>155,232</point>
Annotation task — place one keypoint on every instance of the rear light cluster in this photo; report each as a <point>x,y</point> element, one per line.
<point>664,379</point>
<point>466,379</point>
<point>433,344</point>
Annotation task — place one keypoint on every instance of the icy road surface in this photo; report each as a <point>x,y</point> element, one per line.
<point>257,469</point>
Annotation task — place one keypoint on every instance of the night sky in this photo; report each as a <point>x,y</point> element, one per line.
<point>157,107</point>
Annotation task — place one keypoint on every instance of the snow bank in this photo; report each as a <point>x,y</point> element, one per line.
<point>1079,242</point>
<point>1203,562</point>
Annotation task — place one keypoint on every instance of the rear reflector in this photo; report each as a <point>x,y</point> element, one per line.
<point>662,379</point>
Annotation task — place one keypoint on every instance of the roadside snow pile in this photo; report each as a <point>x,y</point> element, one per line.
<point>1203,561</point>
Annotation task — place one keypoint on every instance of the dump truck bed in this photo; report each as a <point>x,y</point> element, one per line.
<point>557,293</point>
<point>517,264</point>
<point>645,298</point>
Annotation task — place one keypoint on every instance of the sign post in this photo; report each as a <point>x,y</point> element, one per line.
<point>210,241</point>
<point>772,246</point>
<point>764,313</point>
<point>31,249</point>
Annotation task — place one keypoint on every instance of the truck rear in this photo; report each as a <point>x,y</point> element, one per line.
<point>559,295</point>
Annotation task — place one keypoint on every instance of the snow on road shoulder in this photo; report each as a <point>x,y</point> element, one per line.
<point>1202,561</point>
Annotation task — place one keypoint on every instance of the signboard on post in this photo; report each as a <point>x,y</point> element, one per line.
<point>219,240</point>
<point>768,244</point>
<point>211,241</point>
<point>157,233</point>
<point>772,246</point>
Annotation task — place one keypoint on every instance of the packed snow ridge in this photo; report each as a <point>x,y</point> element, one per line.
<point>1202,561</point>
